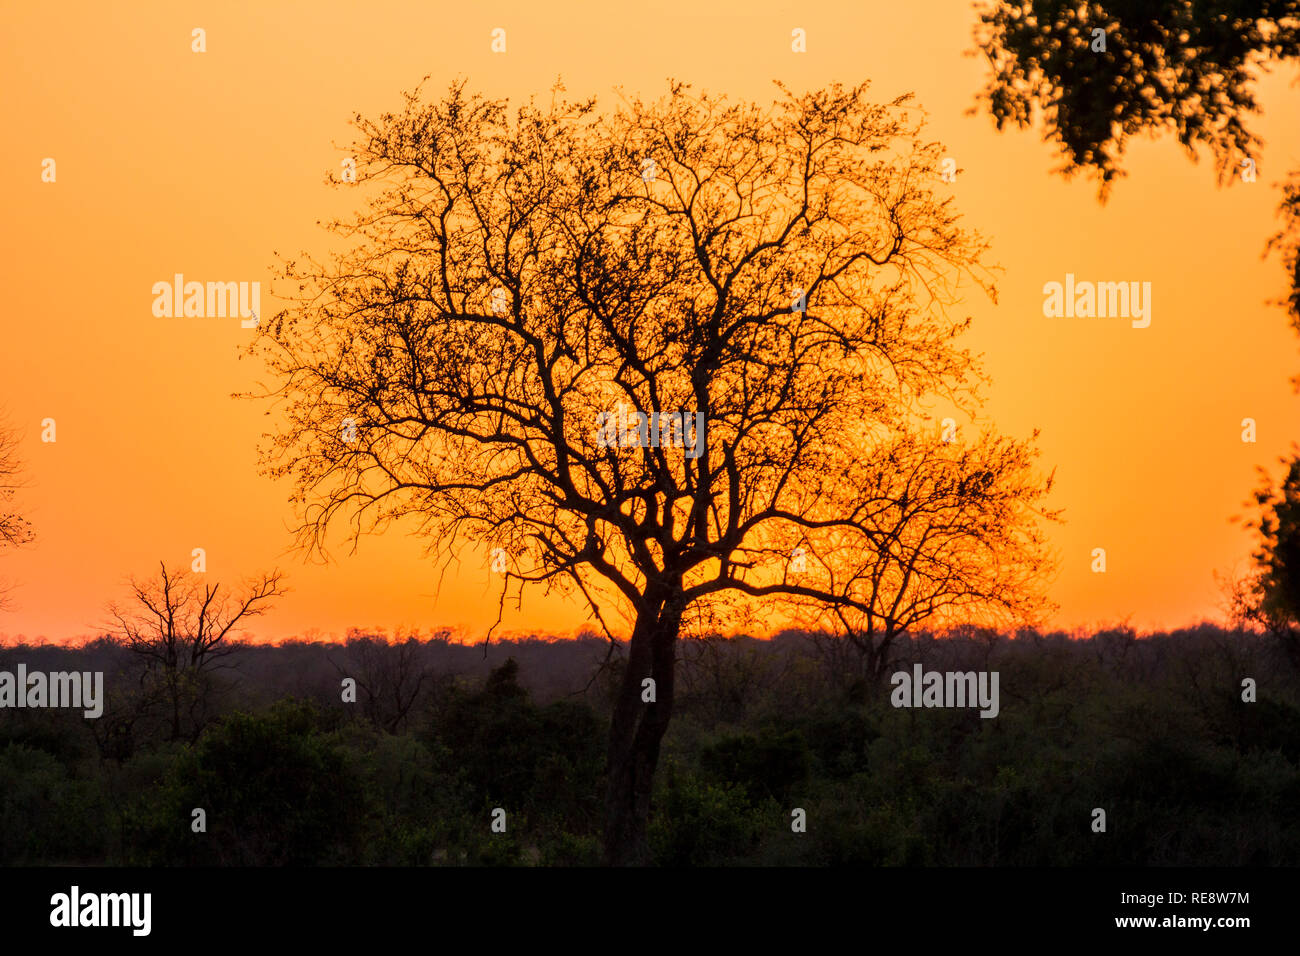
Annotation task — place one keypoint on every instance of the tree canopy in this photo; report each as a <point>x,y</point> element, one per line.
<point>653,355</point>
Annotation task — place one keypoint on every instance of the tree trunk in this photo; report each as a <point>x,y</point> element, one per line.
<point>174,690</point>
<point>636,731</point>
<point>878,660</point>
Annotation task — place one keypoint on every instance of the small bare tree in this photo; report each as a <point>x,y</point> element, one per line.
<point>14,528</point>
<point>181,627</point>
<point>390,675</point>
<point>939,540</point>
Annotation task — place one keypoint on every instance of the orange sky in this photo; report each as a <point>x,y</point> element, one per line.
<point>170,161</point>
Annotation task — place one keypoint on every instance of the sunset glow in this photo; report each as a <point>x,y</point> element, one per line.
<point>208,166</point>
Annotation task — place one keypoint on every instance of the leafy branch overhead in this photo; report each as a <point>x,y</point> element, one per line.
<point>1168,65</point>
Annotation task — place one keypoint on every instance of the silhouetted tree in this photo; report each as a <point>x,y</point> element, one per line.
<point>1270,595</point>
<point>519,278</point>
<point>941,541</point>
<point>14,528</point>
<point>390,676</point>
<point>181,627</point>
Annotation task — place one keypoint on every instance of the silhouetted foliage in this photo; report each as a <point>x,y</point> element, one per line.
<point>276,791</point>
<point>1269,596</point>
<point>543,762</point>
<point>1152,728</point>
<point>14,528</point>
<point>785,274</point>
<point>767,766</point>
<point>1167,64</point>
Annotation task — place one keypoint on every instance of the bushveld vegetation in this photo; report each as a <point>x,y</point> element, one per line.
<point>1151,728</point>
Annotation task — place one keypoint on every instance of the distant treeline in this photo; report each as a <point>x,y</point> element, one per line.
<point>1160,732</point>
